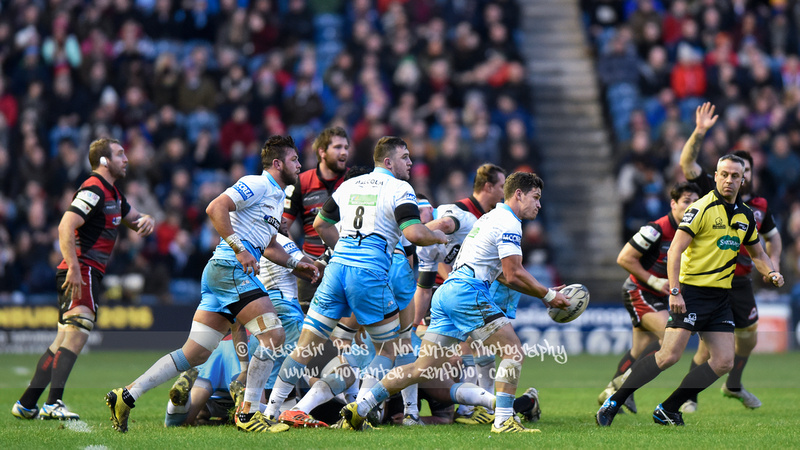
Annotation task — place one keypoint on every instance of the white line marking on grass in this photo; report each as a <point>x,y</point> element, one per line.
<point>77,426</point>
<point>20,370</point>
<point>96,447</point>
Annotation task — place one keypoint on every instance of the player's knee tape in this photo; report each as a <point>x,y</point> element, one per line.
<point>264,353</point>
<point>83,322</point>
<point>205,336</point>
<point>318,324</point>
<point>405,333</point>
<point>483,333</point>
<point>181,363</point>
<point>344,333</point>
<point>484,360</point>
<point>335,382</point>
<point>263,323</point>
<point>508,371</point>
<point>385,332</point>
<point>332,365</point>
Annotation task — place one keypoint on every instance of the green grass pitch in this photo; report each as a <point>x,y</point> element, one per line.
<point>568,398</point>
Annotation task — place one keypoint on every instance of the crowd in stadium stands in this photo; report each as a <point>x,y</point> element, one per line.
<point>193,88</point>
<point>657,60</point>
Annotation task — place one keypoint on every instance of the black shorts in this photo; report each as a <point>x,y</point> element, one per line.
<point>305,293</point>
<point>90,291</point>
<point>217,411</point>
<point>639,302</point>
<point>707,309</point>
<point>743,302</point>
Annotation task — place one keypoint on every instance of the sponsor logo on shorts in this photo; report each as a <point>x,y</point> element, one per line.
<point>116,221</point>
<point>729,243</point>
<point>753,313</point>
<point>728,322</point>
<point>243,190</point>
<point>691,318</point>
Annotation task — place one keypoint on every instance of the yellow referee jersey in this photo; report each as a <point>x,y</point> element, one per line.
<point>719,229</point>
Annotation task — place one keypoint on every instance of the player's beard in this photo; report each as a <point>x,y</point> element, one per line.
<point>117,172</point>
<point>288,178</point>
<point>333,165</point>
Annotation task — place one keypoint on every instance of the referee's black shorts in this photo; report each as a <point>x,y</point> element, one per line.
<point>743,302</point>
<point>707,309</point>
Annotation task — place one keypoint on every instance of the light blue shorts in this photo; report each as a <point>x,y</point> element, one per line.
<point>345,290</point>
<point>225,283</point>
<point>401,278</point>
<point>222,366</point>
<point>505,298</point>
<point>461,306</point>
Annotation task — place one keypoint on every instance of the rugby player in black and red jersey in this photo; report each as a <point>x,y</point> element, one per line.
<point>313,187</point>
<point>86,236</point>
<point>743,302</point>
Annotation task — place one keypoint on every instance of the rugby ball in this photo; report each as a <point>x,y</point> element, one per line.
<point>578,297</point>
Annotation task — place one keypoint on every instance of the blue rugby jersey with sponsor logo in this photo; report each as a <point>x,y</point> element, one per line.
<point>369,228</point>
<point>496,235</point>
<point>259,207</point>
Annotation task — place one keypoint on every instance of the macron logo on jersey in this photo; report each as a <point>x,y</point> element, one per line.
<point>243,190</point>
<point>512,238</point>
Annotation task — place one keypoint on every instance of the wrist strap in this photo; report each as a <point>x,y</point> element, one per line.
<point>235,242</point>
<point>291,263</point>
<point>551,294</point>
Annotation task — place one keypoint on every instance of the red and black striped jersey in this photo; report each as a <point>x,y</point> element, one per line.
<point>765,222</point>
<point>653,241</point>
<point>304,200</point>
<point>102,206</point>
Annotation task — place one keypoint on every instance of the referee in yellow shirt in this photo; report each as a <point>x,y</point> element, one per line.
<point>700,265</point>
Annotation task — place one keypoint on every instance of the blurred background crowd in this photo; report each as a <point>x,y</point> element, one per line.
<point>657,60</point>
<point>192,88</point>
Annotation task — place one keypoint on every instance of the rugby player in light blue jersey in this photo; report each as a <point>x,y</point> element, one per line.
<point>247,216</point>
<point>462,307</point>
<point>372,212</point>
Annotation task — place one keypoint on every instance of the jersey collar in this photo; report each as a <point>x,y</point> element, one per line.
<point>384,171</point>
<point>506,207</point>
<point>271,179</point>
